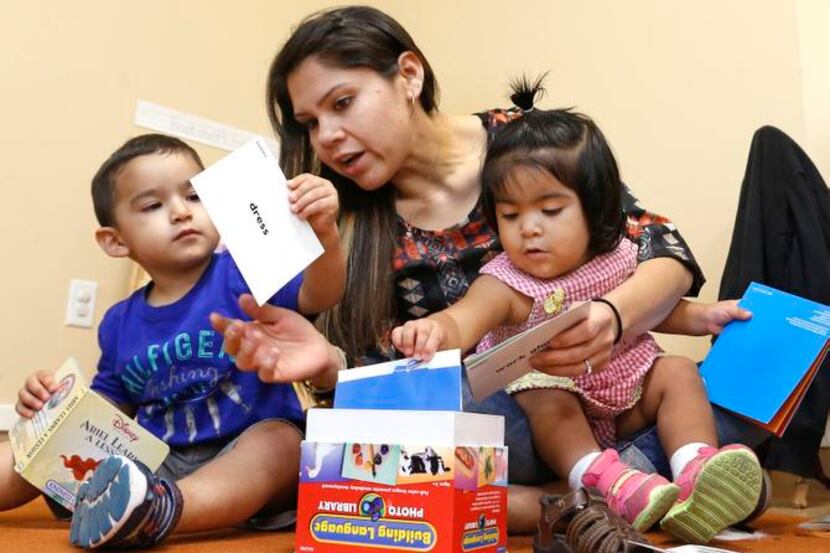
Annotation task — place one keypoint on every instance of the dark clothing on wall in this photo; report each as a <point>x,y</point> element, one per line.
<point>782,239</point>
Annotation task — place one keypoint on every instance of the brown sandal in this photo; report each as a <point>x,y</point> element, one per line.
<point>581,522</point>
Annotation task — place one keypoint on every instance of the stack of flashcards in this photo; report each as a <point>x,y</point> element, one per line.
<point>396,466</point>
<point>60,447</point>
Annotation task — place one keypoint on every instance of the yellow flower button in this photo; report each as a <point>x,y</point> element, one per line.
<point>555,302</point>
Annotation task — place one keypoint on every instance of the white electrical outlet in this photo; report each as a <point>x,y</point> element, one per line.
<point>80,307</point>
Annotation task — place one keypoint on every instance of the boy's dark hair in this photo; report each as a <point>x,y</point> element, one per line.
<point>567,145</point>
<point>103,183</point>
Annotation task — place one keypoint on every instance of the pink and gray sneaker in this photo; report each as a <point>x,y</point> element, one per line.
<point>641,499</point>
<point>718,488</point>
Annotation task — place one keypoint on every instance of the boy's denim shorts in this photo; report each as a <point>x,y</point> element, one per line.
<point>183,461</point>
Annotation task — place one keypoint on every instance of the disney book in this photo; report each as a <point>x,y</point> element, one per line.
<point>60,447</point>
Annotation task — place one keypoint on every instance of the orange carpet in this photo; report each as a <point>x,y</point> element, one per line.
<point>31,529</point>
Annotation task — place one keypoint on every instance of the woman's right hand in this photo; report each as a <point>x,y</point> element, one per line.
<point>34,394</point>
<point>279,344</point>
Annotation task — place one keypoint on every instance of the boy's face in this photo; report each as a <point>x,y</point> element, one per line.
<point>160,222</point>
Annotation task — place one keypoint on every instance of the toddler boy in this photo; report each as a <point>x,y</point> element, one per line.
<point>234,439</point>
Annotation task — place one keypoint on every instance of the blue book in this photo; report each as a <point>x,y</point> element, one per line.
<point>762,368</point>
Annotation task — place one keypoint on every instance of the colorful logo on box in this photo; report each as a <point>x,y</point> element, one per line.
<point>372,527</point>
<point>372,506</point>
<point>477,539</point>
<point>481,533</point>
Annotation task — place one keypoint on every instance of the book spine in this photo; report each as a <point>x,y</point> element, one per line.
<point>51,429</point>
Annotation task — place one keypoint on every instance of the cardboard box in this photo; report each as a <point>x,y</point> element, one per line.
<point>58,448</point>
<point>394,480</point>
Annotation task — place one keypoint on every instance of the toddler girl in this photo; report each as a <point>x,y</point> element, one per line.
<point>553,192</point>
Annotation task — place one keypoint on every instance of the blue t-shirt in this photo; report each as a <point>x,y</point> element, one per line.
<point>169,363</point>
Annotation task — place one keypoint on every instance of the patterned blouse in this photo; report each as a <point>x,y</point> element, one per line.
<point>434,268</point>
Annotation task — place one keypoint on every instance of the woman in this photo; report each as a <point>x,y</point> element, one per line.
<point>354,100</point>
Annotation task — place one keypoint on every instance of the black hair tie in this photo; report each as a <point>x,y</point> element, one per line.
<point>523,99</point>
<point>616,316</point>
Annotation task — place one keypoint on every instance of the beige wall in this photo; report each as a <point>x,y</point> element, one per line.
<point>813,19</point>
<point>677,87</point>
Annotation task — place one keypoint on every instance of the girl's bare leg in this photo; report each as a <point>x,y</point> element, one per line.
<point>674,399</point>
<point>559,428</point>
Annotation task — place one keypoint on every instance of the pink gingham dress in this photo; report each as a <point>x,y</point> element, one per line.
<point>606,393</point>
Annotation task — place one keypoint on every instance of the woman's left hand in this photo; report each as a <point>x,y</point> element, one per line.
<point>714,316</point>
<point>279,344</point>
<point>590,340</point>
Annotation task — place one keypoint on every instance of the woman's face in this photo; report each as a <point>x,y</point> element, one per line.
<point>358,121</point>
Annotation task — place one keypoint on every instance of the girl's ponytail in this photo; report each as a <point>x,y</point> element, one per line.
<point>525,94</point>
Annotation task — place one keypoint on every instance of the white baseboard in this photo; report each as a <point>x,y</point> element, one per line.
<point>7,417</point>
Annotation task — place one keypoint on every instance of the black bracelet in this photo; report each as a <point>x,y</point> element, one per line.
<point>616,316</point>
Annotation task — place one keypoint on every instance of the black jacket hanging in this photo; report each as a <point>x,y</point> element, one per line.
<point>782,239</point>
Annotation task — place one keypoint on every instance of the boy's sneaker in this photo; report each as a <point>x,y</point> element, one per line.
<point>124,505</point>
<point>718,488</point>
<point>640,498</point>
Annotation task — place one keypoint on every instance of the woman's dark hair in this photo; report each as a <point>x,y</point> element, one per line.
<point>349,37</point>
<point>567,145</point>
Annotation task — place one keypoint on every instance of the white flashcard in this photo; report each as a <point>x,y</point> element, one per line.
<point>492,370</point>
<point>246,197</point>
